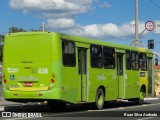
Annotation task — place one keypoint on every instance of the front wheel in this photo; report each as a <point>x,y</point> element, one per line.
<point>140,100</point>
<point>99,99</point>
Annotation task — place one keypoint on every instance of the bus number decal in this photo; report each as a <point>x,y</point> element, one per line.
<point>43,71</point>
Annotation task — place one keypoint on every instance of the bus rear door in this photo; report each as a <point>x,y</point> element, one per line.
<point>120,73</point>
<point>150,77</point>
<point>82,71</point>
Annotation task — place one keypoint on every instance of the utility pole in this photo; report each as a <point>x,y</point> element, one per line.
<point>136,23</point>
<point>43,26</point>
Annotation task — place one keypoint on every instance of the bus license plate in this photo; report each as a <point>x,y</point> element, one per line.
<point>28,84</point>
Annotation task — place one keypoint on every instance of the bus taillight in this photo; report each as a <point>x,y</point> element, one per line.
<point>5,81</point>
<point>52,81</point>
<point>51,85</point>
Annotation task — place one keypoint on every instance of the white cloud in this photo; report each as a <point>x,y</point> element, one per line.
<point>105,31</point>
<point>60,13</point>
<point>61,24</point>
<point>54,7</point>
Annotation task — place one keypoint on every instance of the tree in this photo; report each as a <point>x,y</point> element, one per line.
<point>14,29</point>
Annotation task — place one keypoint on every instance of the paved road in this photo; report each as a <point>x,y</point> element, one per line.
<point>111,111</point>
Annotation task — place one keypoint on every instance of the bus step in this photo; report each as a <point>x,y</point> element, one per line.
<point>119,99</point>
<point>81,102</point>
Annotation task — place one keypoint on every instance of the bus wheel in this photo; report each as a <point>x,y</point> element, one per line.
<point>140,100</point>
<point>99,99</point>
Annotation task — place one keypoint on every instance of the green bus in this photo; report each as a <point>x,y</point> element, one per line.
<point>63,69</point>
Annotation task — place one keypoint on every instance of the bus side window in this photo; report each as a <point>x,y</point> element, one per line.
<point>142,61</point>
<point>134,61</point>
<point>109,57</point>
<point>156,60</point>
<point>96,56</point>
<point>128,60</point>
<point>68,53</point>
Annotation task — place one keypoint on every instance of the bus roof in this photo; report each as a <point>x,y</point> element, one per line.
<point>83,40</point>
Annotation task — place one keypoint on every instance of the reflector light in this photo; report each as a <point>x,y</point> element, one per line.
<point>52,80</point>
<point>5,81</point>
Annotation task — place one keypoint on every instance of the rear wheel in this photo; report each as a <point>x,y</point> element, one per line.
<point>99,99</point>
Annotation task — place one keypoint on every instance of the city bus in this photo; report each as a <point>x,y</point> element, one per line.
<point>63,69</point>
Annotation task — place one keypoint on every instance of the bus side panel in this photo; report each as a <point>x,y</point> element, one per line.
<point>144,80</point>
<point>56,73</point>
<point>112,84</point>
<point>69,84</point>
<point>69,76</point>
<point>132,84</point>
<point>105,78</point>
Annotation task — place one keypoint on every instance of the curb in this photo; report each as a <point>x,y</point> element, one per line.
<point>151,98</point>
<point>2,108</point>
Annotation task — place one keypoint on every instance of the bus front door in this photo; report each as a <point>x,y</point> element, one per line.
<point>120,75</point>
<point>150,78</point>
<point>82,71</point>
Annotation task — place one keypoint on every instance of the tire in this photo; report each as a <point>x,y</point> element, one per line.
<point>140,100</point>
<point>99,99</point>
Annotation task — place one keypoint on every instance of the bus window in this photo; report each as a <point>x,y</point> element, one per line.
<point>142,61</point>
<point>128,60</point>
<point>68,53</point>
<point>109,57</point>
<point>96,56</point>
<point>156,60</point>
<point>134,61</point>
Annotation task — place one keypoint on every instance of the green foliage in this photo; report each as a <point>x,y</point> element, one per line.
<point>15,29</point>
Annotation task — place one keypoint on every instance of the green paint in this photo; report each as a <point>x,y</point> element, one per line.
<point>36,57</point>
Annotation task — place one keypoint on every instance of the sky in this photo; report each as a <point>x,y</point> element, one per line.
<point>108,20</point>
